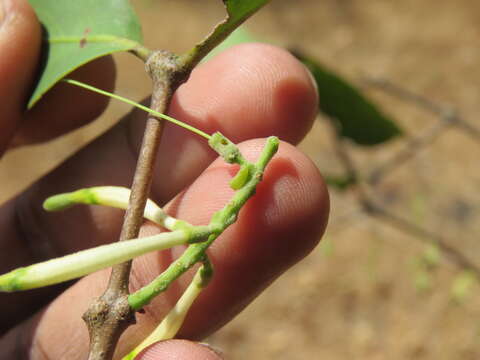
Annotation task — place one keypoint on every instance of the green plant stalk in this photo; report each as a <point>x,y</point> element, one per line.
<point>137,105</point>
<point>170,325</point>
<point>219,222</point>
<point>236,16</point>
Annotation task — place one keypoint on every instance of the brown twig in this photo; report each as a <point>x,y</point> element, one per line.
<point>447,115</point>
<point>407,96</point>
<point>422,234</point>
<point>409,150</point>
<point>413,145</point>
<point>109,315</point>
<point>371,207</point>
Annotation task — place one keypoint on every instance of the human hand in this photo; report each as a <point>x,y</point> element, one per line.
<point>250,91</point>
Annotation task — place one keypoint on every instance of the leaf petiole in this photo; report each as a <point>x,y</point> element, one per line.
<point>137,105</point>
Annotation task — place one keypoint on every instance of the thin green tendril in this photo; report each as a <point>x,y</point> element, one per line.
<point>142,107</point>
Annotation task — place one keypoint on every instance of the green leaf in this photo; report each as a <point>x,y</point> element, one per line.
<point>358,118</point>
<point>240,178</point>
<point>239,36</point>
<point>237,12</point>
<point>77,32</point>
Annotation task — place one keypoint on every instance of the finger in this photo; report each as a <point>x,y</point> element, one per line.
<point>178,349</point>
<point>20,47</point>
<point>65,107</point>
<point>249,91</point>
<point>279,226</point>
<point>109,160</point>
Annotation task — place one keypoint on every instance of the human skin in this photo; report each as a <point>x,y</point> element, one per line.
<point>248,92</point>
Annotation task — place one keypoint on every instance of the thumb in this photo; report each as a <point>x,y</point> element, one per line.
<point>178,349</point>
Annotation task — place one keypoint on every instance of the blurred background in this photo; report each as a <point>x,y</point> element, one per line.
<point>370,290</point>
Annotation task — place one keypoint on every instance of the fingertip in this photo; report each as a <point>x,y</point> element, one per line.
<point>179,349</point>
<point>277,227</point>
<point>249,91</point>
<point>294,198</point>
<point>289,211</point>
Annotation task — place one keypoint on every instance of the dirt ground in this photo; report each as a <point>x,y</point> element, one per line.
<point>363,293</point>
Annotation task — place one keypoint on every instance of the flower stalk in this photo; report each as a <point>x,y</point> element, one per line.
<point>171,323</point>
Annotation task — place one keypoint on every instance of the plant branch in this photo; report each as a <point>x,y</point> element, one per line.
<point>447,115</point>
<point>219,222</point>
<point>409,150</point>
<point>236,16</point>
<point>142,52</point>
<point>408,96</point>
<point>171,323</point>
<point>110,315</point>
<point>421,234</point>
<point>372,208</point>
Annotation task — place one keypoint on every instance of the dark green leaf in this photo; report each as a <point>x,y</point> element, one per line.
<point>358,118</point>
<point>78,31</point>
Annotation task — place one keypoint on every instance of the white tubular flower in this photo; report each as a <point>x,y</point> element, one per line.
<point>114,196</point>
<point>87,261</point>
